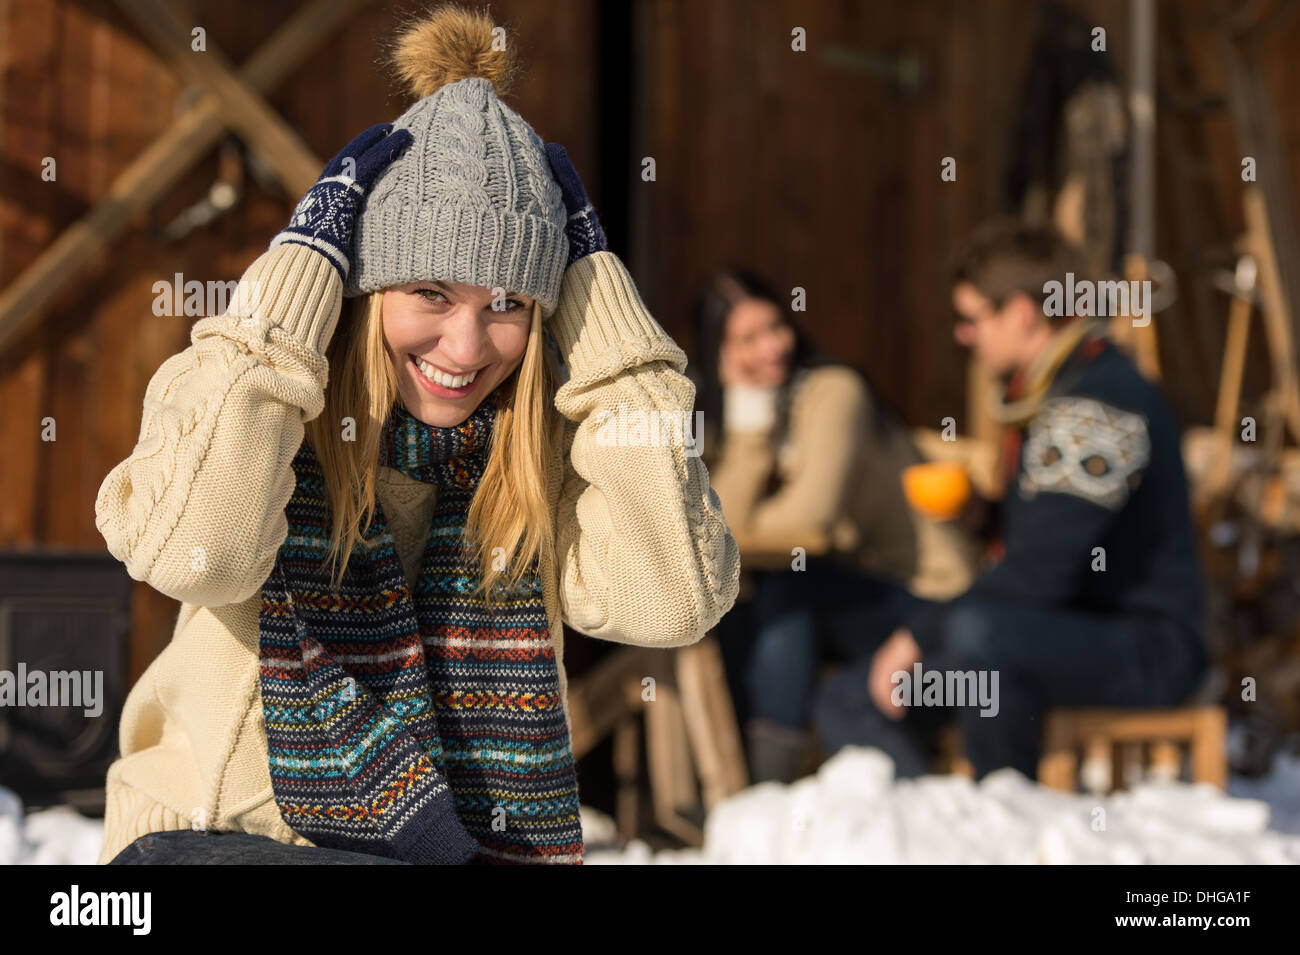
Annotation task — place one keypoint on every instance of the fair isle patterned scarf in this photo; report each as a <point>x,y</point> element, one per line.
<point>425,726</point>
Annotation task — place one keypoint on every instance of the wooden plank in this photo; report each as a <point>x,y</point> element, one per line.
<point>158,169</point>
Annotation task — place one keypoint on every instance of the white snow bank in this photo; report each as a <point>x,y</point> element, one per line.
<point>56,836</point>
<point>854,811</point>
<point>1280,789</point>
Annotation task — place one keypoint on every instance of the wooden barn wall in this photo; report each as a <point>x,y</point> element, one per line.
<point>824,177</point>
<point>812,173</point>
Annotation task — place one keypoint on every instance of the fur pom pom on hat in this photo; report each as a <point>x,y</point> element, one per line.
<point>473,199</point>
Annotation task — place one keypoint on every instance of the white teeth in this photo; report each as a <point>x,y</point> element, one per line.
<point>441,377</point>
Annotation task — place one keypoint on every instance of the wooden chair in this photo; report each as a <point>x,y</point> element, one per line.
<point>1103,749</point>
<point>1106,749</point>
<point>694,752</point>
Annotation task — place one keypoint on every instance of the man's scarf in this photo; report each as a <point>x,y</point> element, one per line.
<point>1015,406</point>
<point>425,727</point>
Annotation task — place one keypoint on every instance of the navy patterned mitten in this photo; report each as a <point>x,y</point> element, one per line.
<point>583,228</point>
<point>325,216</point>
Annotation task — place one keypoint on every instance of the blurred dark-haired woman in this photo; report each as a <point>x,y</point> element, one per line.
<point>799,448</point>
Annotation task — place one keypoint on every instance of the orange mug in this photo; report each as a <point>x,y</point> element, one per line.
<point>937,489</point>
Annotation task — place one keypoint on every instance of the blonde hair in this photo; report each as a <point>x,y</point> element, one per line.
<point>509,509</point>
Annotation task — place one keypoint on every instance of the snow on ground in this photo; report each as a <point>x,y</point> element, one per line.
<point>56,836</point>
<point>1280,789</point>
<point>853,811</point>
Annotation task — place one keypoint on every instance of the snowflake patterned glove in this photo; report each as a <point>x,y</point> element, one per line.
<point>583,228</point>
<point>325,216</point>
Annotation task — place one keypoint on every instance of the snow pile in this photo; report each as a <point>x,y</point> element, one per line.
<point>56,836</point>
<point>854,811</point>
<point>1280,789</point>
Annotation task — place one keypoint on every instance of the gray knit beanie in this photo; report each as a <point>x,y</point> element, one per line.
<point>473,199</point>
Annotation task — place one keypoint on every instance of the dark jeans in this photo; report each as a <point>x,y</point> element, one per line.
<point>1042,658</point>
<point>190,847</point>
<point>773,646</point>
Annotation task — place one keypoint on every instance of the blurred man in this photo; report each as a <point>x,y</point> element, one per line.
<point>1097,599</point>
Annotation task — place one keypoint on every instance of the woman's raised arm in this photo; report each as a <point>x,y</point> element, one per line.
<point>644,554</point>
<point>197,509</point>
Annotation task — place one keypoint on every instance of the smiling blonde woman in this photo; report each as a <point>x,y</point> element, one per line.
<point>378,518</point>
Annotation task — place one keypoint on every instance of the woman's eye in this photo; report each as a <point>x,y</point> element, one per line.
<point>426,292</point>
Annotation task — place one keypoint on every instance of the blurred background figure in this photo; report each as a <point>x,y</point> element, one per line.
<point>804,455</point>
<point>1097,599</point>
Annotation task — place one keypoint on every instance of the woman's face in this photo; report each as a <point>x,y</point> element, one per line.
<point>758,344</point>
<point>450,347</point>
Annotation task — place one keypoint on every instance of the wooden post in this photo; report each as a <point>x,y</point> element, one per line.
<point>1166,760</point>
<point>1234,366</point>
<point>711,721</point>
<point>1058,764</point>
<point>1096,771</point>
<point>668,755</point>
<point>1140,340</point>
<point>1209,744</point>
<point>627,763</point>
<point>1274,307</point>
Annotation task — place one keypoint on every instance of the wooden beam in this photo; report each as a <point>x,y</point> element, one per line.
<point>1230,379</point>
<point>243,109</point>
<point>1275,309</point>
<point>161,166</point>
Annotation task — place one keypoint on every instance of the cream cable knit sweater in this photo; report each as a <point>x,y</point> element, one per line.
<point>197,511</point>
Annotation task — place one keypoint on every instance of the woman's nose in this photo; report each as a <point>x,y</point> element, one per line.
<point>464,338</point>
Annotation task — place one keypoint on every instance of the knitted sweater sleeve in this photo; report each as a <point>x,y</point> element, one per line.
<point>197,508</point>
<point>644,555</point>
<point>827,424</point>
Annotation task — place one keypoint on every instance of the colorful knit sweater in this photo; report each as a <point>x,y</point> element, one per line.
<point>197,510</point>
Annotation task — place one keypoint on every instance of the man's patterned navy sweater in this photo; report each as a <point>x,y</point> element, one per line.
<point>1100,467</point>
